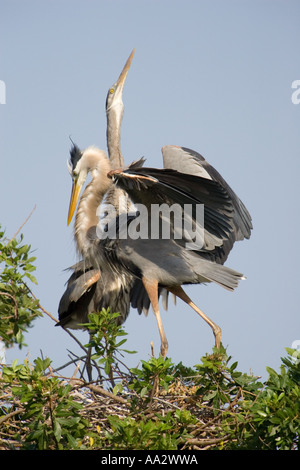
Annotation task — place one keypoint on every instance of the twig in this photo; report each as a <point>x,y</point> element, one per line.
<point>102,391</point>
<point>165,402</point>
<point>40,306</point>
<point>206,442</point>
<point>15,302</point>
<point>9,415</point>
<point>26,220</point>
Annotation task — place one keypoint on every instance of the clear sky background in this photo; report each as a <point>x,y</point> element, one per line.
<point>214,76</point>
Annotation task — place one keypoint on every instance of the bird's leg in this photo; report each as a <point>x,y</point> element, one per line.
<point>152,291</point>
<point>92,280</point>
<point>216,329</point>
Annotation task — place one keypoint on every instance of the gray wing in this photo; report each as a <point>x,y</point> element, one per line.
<point>188,161</point>
<point>148,186</point>
<point>80,297</point>
<point>85,294</point>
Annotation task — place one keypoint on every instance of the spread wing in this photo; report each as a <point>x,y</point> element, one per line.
<point>148,186</point>
<point>188,161</point>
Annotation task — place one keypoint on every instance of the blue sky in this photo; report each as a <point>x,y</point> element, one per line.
<point>213,76</point>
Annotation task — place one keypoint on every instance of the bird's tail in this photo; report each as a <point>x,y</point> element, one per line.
<point>221,275</point>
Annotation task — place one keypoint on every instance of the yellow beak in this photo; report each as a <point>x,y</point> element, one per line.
<point>76,188</point>
<point>123,75</point>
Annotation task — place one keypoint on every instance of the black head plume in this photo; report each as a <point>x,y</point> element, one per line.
<point>75,154</point>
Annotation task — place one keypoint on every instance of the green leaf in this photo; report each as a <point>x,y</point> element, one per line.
<point>144,391</point>
<point>57,430</point>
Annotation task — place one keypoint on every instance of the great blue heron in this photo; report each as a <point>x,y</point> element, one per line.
<point>158,263</point>
<point>87,290</point>
<point>114,114</point>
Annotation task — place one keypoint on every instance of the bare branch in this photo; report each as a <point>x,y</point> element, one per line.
<point>26,220</point>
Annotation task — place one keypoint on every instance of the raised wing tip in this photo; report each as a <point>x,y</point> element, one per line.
<point>166,147</point>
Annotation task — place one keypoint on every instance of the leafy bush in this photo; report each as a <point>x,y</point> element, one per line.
<point>51,414</point>
<point>156,406</point>
<point>271,420</point>
<point>104,340</point>
<point>18,308</point>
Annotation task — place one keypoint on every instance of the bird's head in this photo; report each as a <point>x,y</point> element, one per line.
<point>81,163</point>
<point>114,95</point>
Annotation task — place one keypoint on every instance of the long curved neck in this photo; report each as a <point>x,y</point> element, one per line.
<point>86,217</point>
<point>113,135</point>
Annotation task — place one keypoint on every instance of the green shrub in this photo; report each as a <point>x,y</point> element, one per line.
<point>156,406</point>
<point>18,308</point>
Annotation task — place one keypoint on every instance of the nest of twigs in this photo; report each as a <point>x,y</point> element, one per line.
<point>99,404</point>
